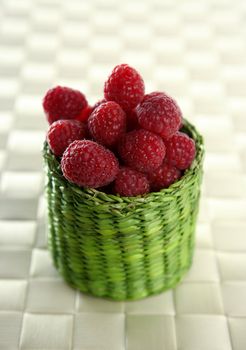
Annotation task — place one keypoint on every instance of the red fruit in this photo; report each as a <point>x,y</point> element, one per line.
<point>160,114</point>
<point>84,114</point>
<point>132,120</point>
<point>142,150</point>
<point>89,164</point>
<point>63,132</point>
<point>130,182</point>
<point>107,123</point>
<point>98,103</point>
<point>63,103</point>
<point>124,86</point>
<point>163,176</point>
<point>180,150</point>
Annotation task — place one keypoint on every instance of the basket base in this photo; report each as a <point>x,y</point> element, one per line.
<point>137,296</point>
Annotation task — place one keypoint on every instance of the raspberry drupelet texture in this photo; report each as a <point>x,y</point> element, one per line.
<point>107,123</point>
<point>124,86</point>
<point>130,183</point>
<point>63,132</point>
<point>163,176</point>
<point>89,164</point>
<point>142,150</point>
<point>63,103</point>
<point>160,114</point>
<point>180,150</point>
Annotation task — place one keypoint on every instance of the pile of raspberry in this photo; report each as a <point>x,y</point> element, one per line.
<point>129,143</point>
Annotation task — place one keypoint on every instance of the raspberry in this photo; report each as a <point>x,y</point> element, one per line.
<point>142,150</point>
<point>98,103</point>
<point>107,123</point>
<point>89,164</point>
<point>84,114</point>
<point>62,132</point>
<point>160,114</point>
<point>180,150</point>
<point>163,176</point>
<point>63,103</point>
<point>132,120</point>
<point>130,182</point>
<point>124,86</point>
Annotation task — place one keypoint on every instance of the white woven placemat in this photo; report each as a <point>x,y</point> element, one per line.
<point>195,50</point>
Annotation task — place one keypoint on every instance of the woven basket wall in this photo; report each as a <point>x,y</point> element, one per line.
<point>123,247</point>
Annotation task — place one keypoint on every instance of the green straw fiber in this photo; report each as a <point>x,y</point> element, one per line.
<point>123,248</point>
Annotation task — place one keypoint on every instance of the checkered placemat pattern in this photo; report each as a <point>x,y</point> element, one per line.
<point>195,50</point>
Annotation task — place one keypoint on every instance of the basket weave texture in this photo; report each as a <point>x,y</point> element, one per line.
<point>123,248</point>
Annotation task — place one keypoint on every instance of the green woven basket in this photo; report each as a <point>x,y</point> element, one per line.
<point>123,248</point>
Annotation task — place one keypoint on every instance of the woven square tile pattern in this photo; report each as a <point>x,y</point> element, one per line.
<point>196,51</point>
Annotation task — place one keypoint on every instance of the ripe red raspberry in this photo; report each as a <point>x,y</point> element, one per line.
<point>84,114</point>
<point>89,164</point>
<point>63,132</point>
<point>160,114</point>
<point>63,103</point>
<point>98,103</point>
<point>142,150</point>
<point>132,120</point>
<point>180,150</point>
<point>124,86</point>
<point>107,123</point>
<point>163,176</point>
<point>130,182</point>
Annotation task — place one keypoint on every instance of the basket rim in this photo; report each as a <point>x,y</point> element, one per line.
<point>102,197</point>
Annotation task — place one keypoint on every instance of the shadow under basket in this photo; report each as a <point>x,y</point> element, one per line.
<point>123,248</point>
